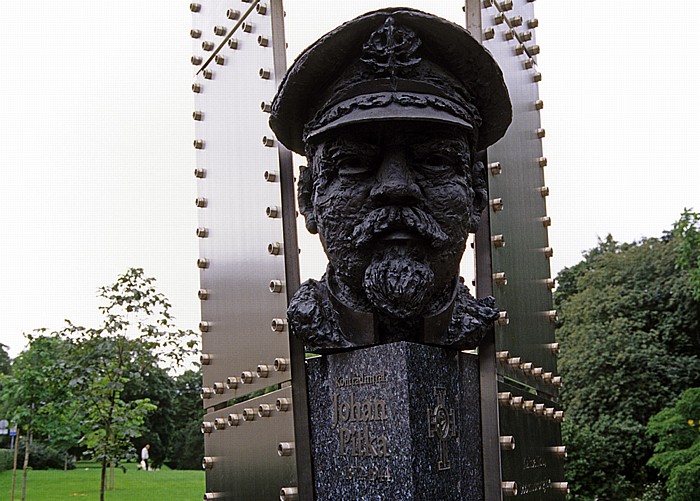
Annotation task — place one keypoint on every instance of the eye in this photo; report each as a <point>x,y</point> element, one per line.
<point>438,163</point>
<point>353,166</point>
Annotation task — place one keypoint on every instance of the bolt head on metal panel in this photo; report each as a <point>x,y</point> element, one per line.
<point>195,33</point>
<point>207,463</point>
<point>289,494</point>
<point>200,202</point>
<point>495,168</point>
<point>232,43</point>
<point>206,392</point>
<point>558,451</point>
<point>519,49</point>
<point>552,315</point>
<point>533,23</point>
<point>533,50</point>
<point>509,488</point>
<point>232,382</point>
<point>502,318</point>
<point>196,88</point>
<point>219,388</point>
<point>275,286</point>
<point>526,36</point>
<point>196,60</point>
<point>542,161</point>
<point>202,232</point>
<point>261,8</point>
<point>553,347</point>
<point>263,41</point>
<point>285,448</point>
<point>266,106</point>
<point>281,364</point>
<point>207,427</point>
<point>270,176</point>
<point>516,402</point>
<point>514,362</point>
<point>546,220</point>
<point>504,397</point>
<point>556,381</point>
<point>537,77</point>
<point>283,404</point>
<point>264,73</point>
<point>509,34</point>
<point>544,191</point>
<point>529,405</point>
<point>204,326</point>
<point>247,27</point>
<point>499,18</point>
<point>278,324</point>
<point>195,7</point>
<point>246,377</point>
<point>526,367</point>
<point>263,370</point>
<point>220,423</point>
<point>207,45</point>
<point>499,278</point>
<point>200,173</point>
<point>234,419</point>
<point>507,442</point>
<point>496,204</point>
<point>562,487</point>
<point>219,59</point>
<point>233,14</point>
<point>539,104</point>
<point>205,359</point>
<point>505,6</point>
<point>502,356</point>
<point>516,20</point>
<point>548,252</point>
<point>274,248</point>
<point>272,211</point>
<point>489,33</point>
<point>264,410</point>
<point>208,75</point>
<point>219,30</point>
<point>498,240</point>
<point>268,141</point>
<point>197,115</point>
<point>249,414</point>
<point>528,63</point>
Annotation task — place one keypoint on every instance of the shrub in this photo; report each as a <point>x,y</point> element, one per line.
<point>5,459</point>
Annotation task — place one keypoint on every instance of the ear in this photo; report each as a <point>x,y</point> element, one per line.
<point>305,189</point>
<point>481,195</point>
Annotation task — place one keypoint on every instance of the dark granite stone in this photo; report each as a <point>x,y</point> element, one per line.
<point>398,421</point>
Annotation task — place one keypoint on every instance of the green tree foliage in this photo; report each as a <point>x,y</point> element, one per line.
<point>5,362</point>
<point>676,430</point>
<point>186,442</point>
<point>629,332</point>
<point>687,233</point>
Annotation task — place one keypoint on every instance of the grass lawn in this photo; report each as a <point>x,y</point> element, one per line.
<point>83,483</point>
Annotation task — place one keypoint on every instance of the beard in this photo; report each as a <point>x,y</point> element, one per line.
<point>398,282</point>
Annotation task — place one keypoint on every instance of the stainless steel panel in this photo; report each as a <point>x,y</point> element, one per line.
<point>246,465</point>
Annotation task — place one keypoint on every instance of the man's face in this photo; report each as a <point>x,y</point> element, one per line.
<point>387,191</point>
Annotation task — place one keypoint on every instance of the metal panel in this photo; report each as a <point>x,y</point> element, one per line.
<point>248,257</point>
<point>247,450</point>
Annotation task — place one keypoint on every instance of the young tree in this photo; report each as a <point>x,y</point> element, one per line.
<point>629,333</point>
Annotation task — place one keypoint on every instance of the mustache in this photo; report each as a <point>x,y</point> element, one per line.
<point>387,219</point>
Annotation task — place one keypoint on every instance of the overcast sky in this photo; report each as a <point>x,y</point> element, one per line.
<point>97,154</point>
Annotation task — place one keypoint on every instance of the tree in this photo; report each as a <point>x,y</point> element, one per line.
<point>677,451</point>
<point>187,442</point>
<point>629,333</point>
<point>687,233</point>
<point>137,330</point>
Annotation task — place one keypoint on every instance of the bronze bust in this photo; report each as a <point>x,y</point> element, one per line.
<point>390,110</point>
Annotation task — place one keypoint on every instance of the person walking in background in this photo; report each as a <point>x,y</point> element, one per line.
<point>144,457</point>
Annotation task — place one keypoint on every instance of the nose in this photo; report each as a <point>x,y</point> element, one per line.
<point>395,182</point>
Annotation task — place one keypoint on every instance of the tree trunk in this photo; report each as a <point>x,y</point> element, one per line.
<point>111,476</point>
<point>27,446</point>
<point>14,463</point>
<point>103,476</point>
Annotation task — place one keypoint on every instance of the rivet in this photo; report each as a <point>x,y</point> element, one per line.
<point>550,283</point>
<point>280,364</point>
<point>198,144</point>
<point>503,318</point>
<point>204,326</point>
<point>247,1</point>
<point>526,367</point>
<point>205,359</point>
<point>533,50</point>
<point>558,451</point>
<point>195,33</point>
<point>540,133</point>
<point>539,409</point>
<point>285,448</point>
<point>275,286</point>
<point>548,252</point>
<point>539,104</point>
<point>556,381</point>
<point>496,204</point>
<point>502,356</point>
<point>509,34</point>
<point>499,278</point>
<point>196,60</point>
<point>559,416</point>
<point>195,7</point>
<point>504,397</point>
<point>202,232</point>
<point>498,240</point>
<point>552,315</point>
<point>207,463</point>
<point>509,488</point>
<point>234,419</point>
<point>207,45</point>
<point>200,202</point>
<point>232,382</point>
<point>219,59</point>
<point>278,324</point>
<point>529,405</point>
<point>246,377</point>
<point>542,161</point>
<point>283,404</point>
<point>547,377</point>
<point>507,442</point>
<point>207,427</point>
<point>247,27</point>
<point>537,371</point>
<point>264,410</point>
<point>487,3</point>
<point>537,77</point>
<point>270,176</point>
<point>267,141</point>
<point>274,248</point>
<point>261,9</point>
<point>526,36</point>
<point>516,21</point>
<point>202,263</point>
<point>519,49</point>
<point>553,347</point>
<point>263,41</point>
<point>220,423</point>
<point>495,168</point>
<point>197,115</point>
<point>549,412</point>
<point>208,74</point>
<point>264,73</point>
<point>265,106</point>
<point>529,63</point>
<point>533,23</point>
<point>544,191</point>
<point>233,14</point>
<point>219,30</point>
<point>289,494</point>
<point>516,402</point>
<point>562,487</point>
<point>506,5</point>
<point>200,173</point>
<point>219,388</point>
<point>232,43</point>
<point>489,33</point>
<point>499,18</point>
<point>206,392</point>
<point>514,362</point>
<point>546,220</point>
<point>263,370</point>
<point>272,211</point>
<point>196,88</point>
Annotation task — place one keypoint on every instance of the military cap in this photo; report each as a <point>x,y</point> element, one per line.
<point>392,64</point>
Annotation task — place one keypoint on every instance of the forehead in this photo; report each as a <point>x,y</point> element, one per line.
<point>388,133</point>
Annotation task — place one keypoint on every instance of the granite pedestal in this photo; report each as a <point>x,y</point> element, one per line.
<point>398,421</point>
